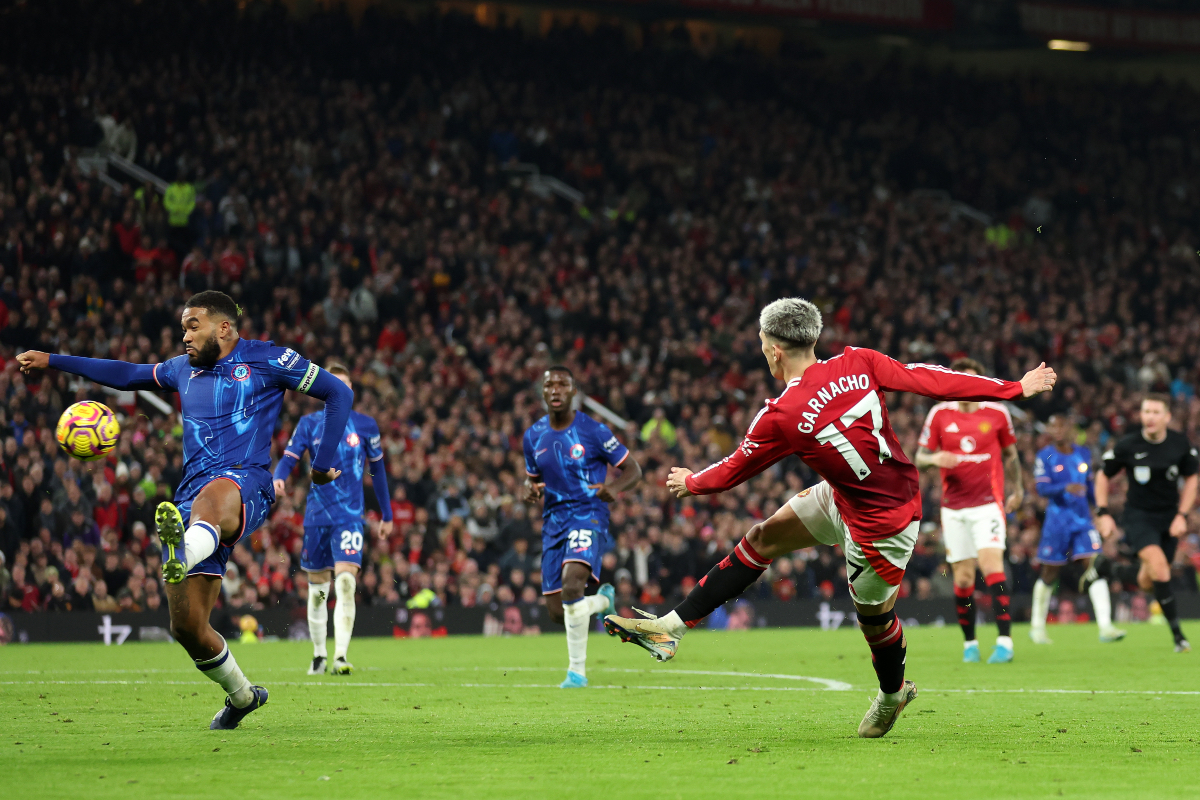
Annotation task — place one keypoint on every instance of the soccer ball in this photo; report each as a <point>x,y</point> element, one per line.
<point>88,430</point>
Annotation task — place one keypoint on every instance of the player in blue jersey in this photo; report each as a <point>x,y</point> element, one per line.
<point>230,392</point>
<point>333,524</point>
<point>567,456</point>
<point>1063,474</point>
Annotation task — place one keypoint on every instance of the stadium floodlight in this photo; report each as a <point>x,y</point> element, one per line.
<point>1067,44</point>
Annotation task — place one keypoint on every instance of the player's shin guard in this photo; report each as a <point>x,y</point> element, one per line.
<point>725,581</point>
<point>1000,600</point>
<point>224,671</point>
<point>1166,600</point>
<point>577,616</point>
<point>200,541</point>
<point>318,617</point>
<point>343,614</point>
<point>888,649</point>
<point>964,604</point>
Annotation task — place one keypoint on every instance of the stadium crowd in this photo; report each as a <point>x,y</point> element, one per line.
<point>353,193</point>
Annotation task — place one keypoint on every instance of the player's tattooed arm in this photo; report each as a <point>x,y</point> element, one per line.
<point>939,458</point>
<point>1012,479</point>
<point>631,473</point>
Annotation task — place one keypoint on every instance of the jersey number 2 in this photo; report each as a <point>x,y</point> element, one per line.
<point>831,435</point>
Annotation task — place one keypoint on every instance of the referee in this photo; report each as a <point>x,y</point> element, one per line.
<point>1154,459</point>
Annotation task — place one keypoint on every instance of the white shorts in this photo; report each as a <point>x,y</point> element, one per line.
<point>874,569</point>
<point>966,531</point>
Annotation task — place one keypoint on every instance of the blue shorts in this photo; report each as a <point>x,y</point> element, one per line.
<point>326,545</point>
<point>1057,544</point>
<point>258,495</point>
<point>581,540</point>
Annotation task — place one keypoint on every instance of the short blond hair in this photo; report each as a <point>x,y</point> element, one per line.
<point>793,322</point>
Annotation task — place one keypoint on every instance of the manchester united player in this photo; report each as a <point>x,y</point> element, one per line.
<point>831,415</point>
<point>967,441</point>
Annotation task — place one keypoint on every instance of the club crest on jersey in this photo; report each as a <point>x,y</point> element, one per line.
<point>241,372</point>
<point>984,427</point>
<point>577,451</point>
<point>352,439</point>
<point>967,445</point>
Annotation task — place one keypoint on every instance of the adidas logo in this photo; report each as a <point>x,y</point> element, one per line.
<point>952,427</point>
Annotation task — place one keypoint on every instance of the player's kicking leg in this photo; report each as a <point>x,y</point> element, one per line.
<point>216,516</point>
<point>808,519</point>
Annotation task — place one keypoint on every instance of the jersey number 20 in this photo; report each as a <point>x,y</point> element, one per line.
<point>352,540</point>
<point>831,435</point>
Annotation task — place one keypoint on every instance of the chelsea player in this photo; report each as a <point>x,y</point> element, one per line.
<point>567,455</point>
<point>230,393</point>
<point>333,524</point>
<point>1063,474</point>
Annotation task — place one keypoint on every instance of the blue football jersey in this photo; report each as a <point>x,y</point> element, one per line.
<point>230,409</point>
<point>339,502</point>
<point>571,460</point>
<point>1053,470</point>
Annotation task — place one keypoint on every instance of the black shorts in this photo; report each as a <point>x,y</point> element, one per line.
<point>1144,528</point>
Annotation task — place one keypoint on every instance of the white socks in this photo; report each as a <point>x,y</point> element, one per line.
<point>1101,603</point>
<point>318,617</point>
<point>200,541</point>
<point>577,618</point>
<point>1041,604</point>
<point>224,671</point>
<point>343,614</point>
<point>674,625</point>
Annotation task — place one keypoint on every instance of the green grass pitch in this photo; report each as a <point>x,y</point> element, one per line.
<point>472,717</point>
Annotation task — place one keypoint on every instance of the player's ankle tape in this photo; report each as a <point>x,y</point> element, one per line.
<point>877,619</point>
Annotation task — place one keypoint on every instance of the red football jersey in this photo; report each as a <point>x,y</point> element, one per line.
<point>977,439</point>
<point>835,419</point>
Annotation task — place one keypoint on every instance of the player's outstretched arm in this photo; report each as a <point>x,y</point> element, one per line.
<point>117,374</point>
<point>339,399</point>
<point>943,383</point>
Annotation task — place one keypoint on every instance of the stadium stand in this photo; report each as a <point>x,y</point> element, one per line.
<point>384,222</point>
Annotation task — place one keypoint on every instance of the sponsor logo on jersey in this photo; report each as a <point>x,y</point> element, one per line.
<point>352,439</point>
<point>577,451</point>
<point>241,372</point>
<point>288,359</point>
<point>611,444</point>
<point>967,445</point>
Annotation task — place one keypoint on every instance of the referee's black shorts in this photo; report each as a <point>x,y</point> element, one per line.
<point>1144,528</point>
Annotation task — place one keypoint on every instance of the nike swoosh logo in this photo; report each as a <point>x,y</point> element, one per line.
<point>1140,455</point>
<point>539,452</point>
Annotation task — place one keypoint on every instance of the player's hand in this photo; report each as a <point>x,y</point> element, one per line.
<point>1178,526</point>
<point>385,529</point>
<point>280,487</point>
<point>1077,489</point>
<point>33,359</point>
<point>1106,526</point>
<point>1013,502</point>
<point>322,478</point>
<point>677,482</point>
<point>1039,379</point>
<point>533,491</point>
<point>603,492</point>
<point>944,459</point>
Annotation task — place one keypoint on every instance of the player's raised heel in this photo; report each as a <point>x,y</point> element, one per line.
<point>648,634</point>
<point>607,591</point>
<point>881,717</point>
<point>231,716</point>
<point>169,524</point>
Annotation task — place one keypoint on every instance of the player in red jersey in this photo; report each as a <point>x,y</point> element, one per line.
<point>831,415</point>
<point>968,441</point>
